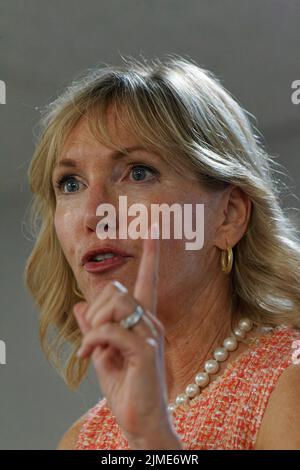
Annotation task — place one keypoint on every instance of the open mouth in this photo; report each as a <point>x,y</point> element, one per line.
<point>105,261</point>
<point>102,256</point>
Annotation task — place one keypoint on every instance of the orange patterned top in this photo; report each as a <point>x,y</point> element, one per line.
<point>228,412</point>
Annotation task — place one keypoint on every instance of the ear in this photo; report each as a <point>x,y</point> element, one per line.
<point>236,211</point>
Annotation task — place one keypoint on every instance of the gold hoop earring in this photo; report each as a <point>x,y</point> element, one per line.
<point>227,260</point>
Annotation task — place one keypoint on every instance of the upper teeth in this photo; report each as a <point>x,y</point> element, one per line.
<point>103,256</point>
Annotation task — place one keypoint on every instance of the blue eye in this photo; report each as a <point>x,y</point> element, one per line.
<point>139,172</point>
<point>67,181</point>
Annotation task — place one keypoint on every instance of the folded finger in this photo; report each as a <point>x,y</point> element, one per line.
<point>112,335</point>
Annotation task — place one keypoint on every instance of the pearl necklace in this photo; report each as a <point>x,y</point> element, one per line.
<point>211,366</point>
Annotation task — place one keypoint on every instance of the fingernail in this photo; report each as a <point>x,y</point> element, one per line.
<point>152,342</point>
<point>120,286</point>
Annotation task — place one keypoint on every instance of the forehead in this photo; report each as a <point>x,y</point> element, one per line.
<point>80,135</point>
<point>81,143</point>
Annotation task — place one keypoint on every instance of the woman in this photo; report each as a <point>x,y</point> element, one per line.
<point>193,349</point>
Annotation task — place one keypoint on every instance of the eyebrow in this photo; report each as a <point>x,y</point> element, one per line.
<point>116,154</point>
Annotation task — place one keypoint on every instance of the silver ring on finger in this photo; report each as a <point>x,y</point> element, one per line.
<point>133,318</point>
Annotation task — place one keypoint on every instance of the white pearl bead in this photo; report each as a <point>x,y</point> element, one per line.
<point>181,399</point>
<point>230,343</point>
<point>220,354</point>
<point>171,407</point>
<point>211,366</point>
<point>239,333</point>
<point>246,324</point>
<point>192,390</point>
<point>202,379</point>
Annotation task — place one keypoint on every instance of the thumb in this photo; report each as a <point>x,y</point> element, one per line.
<point>80,310</point>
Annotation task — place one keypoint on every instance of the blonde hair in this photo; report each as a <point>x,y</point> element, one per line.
<point>183,112</point>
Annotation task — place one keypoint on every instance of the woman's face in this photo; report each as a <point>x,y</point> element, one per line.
<point>144,178</point>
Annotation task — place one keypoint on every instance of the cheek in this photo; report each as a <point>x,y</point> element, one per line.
<point>179,261</point>
<point>179,265</point>
<point>180,271</point>
<point>65,227</point>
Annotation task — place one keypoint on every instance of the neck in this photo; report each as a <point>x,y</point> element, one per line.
<point>193,335</point>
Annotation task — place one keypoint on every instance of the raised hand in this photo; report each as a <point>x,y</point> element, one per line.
<point>129,363</point>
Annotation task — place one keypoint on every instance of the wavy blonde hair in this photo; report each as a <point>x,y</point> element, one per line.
<point>184,113</point>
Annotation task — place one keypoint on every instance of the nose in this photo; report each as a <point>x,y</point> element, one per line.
<point>97,195</point>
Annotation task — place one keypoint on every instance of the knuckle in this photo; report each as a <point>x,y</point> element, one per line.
<point>120,300</point>
<point>105,328</point>
<point>95,321</point>
<point>90,316</point>
<point>108,290</point>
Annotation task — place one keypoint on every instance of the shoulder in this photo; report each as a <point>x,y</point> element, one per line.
<point>280,424</point>
<point>69,439</point>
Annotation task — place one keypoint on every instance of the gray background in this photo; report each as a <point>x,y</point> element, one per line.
<point>253,46</point>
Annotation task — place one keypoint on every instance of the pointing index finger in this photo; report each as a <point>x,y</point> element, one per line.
<point>145,290</point>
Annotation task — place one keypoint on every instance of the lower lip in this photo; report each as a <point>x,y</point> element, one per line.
<point>105,265</point>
